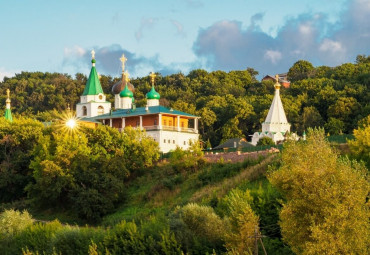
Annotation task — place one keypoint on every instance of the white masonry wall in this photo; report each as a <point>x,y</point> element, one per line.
<point>168,140</point>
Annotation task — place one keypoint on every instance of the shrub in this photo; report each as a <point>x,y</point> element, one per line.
<point>75,240</point>
<point>265,141</point>
<point>38,237</point>
<point>14,222</point>
<point>198,228</point>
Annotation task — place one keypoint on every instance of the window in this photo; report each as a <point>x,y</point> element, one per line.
<point>184,142</point>
<point>164,140</point>
<point>100,110</point>
<point>155,122</point>
<point>169,141</point>
<point>182,124</point>
<point>165,122</point>
<point>84,110</point>
<point>170,123</point>
<point>100,97</point>
<point>173,141</point>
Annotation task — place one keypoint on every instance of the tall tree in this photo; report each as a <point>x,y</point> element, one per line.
<point>326,209</point>
<point>301,69</point>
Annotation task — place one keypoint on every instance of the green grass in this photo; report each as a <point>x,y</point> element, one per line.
<point>160,190</point>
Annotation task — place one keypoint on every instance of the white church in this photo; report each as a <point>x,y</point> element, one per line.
<point>276,124</point>
<point>167,126</point>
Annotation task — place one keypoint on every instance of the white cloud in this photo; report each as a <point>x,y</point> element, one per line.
<point>74,51</point>
<point>146,23</point>
<point>229,45</point>
<point>179,27</point>
<point>273,55</point>
<point>331,46</point>
<point>6,73</point>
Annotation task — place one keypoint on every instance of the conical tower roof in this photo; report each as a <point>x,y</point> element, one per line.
<point>8,113</point>
<point>93,86</point>
<point>276,120</point>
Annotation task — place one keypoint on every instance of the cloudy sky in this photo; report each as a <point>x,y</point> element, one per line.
<point>170,36</point>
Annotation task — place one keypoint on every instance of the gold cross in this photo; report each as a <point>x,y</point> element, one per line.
<point>123,60</point>
<point>277,78</point>
<point>93,54</point>
<point>152,76</point>
<point>8,93</point>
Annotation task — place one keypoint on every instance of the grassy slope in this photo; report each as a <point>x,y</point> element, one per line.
<point>159,191</point>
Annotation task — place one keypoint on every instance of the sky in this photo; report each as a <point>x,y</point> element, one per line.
<point>171,36</point>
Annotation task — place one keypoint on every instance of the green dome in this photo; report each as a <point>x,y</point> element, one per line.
<point>152,94</point>
<point>126,92</point>
<point>93,61</point>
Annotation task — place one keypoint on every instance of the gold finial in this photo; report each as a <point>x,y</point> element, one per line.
<point>152,77</point>
<point>277,84</point>
<point>7,101</point>
<point>127,78</point>
<point>68,108</point>
<point>93,54</point>
<point>123,61</point>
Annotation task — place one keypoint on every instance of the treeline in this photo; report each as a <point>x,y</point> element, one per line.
<point>83,172</point>
<point>230,104</point>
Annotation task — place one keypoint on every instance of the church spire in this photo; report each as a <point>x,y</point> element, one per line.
<point>276,120</point>
<point>8,112</point>
<point>93,86</point>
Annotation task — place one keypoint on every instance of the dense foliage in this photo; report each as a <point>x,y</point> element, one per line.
<point>230,104</point>
<point>85,170</point>
<point>326,211</point>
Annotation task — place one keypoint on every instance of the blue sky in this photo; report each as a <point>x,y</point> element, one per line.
<point>170,36</point>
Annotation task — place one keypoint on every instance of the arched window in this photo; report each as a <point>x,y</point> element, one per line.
<point>100,110</point>
<point>84,110</point>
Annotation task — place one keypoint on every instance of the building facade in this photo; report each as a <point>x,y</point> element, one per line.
<point>169,127</point>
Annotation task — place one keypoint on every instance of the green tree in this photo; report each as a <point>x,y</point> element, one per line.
<point>265,141</point>
<point>360,146</point>
<point>301,69</point>
<point>326,211</point>
<point>334,126</point>
<point>311,118</point>
<point>17,141</point>
<point>243,221</point>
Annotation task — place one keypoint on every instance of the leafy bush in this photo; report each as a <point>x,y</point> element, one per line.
<point>265,141</point>
<point>38,237</point>
<point>198,228</point>
<point>125,238</point>
<point>13,222</point>
<point>75,240</point>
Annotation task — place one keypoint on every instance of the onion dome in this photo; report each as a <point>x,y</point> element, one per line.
<point>152,94</point>
<point>126,93</point>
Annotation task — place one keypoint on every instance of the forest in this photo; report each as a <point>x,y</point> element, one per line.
<point>101,191</point>
<point>230,104</point>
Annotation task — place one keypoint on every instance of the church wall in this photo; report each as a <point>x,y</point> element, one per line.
<point>168,140</point>
<point>132,121</point>
<point>117,123</point>
<point>148,120</point>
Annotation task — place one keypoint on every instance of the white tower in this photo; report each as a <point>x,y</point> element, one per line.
<point>92,101</point>
<point>276,123</point>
